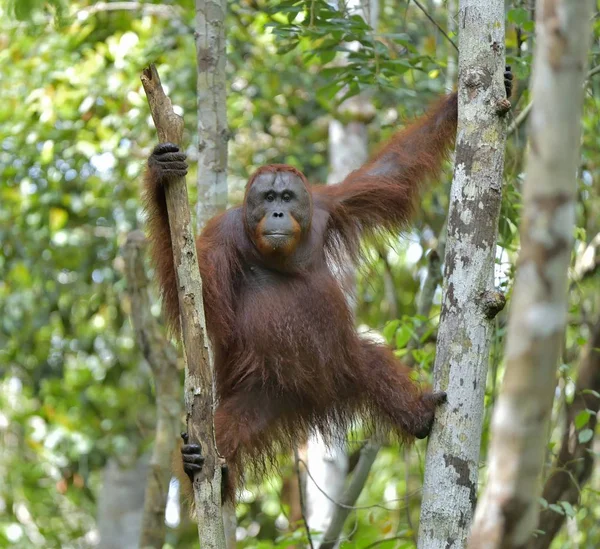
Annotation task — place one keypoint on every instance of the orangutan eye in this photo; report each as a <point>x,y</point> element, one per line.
<point>270,196</point>
<point>287,197</point>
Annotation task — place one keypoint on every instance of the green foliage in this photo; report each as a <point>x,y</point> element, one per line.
<point>25,10</point>
<point>74,136</point>
<point>325,35</point>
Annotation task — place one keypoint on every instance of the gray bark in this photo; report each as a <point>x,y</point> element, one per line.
<point>575,461</point>
<point>199,390</point>
<point>120,504</point>
<point>213,136</point>
<point>350,495</point>
<point>161,356</point>
<point>470,301</point>
<point>213,133</point>
<point>508,511</point>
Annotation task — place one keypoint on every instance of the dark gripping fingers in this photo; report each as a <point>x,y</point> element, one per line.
<point>168,162</point>
<point>192,457</point>
<point>508,81</point>
<point>193,461</point>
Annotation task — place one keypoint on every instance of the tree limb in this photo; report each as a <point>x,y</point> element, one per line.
<point>507,512</point>
<point>422,8</point>
<point>199,382</point>
<point>160,10</point>
<point>161,356</point>
<point>575,460</point>
<point>350,495</point>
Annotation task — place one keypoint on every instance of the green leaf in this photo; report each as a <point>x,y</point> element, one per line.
<point>585,436</point>
<point>390,329</point>
<point>529,26</point>
<point>570,512</point>
<point>581,419</point>
<point>518,16</point>
<point>556,508</point>
<point>403,336</point>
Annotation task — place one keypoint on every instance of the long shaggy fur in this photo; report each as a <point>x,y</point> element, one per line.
<point>288,359</point>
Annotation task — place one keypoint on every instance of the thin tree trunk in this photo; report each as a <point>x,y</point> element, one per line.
<point>470,301</point>
<point>197,352</point>
<point>120,504</point>
<point>508,512</point>
<point>575,461</point>
<point>213,133</point>
<point>451,9</point>
<point>161,356</point>
<point>348,499</point>
<point>213,136</point>
<point>348,150</point>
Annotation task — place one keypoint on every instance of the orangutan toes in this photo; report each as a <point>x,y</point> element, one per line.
<point>193,460</point>
<point>432,401</point>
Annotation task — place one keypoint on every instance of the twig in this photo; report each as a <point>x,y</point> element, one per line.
<point>199,379</point>
<point>588,261</point>
<point>160,10</point>
<point>422,8</point>
<point>433,279</point>
<point>516,123</point>
<point>301,497</point>
<point>407,494</point>
<point>350,495</point>
<point>339,502</point>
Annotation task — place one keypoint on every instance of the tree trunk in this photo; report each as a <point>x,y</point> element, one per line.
<point>120,504</point>
<point>328,466</point>
<point>161,356</point>
<point>212,109</point>
<point>213,136</point>
<point>508,512</point>
<point>575,461</point>
<point>199,390</point>
<point>348,499</point>
<point>470,301</point>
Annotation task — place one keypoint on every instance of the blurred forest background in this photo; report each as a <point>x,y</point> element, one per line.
<point>77,407</point>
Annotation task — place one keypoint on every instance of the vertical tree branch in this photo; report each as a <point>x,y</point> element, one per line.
<point>213,135</point>
<point>470,302</point>
<point>212,113</point>
<point>508,511</point>
<point>161,356</point>
<point>301,498</point>
<point>368,454</point>
<point>199,379</point>
<point>575,460</point>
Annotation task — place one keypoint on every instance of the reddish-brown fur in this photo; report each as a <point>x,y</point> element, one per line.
<point>288,359</point>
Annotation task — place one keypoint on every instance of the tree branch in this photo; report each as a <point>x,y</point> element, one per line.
<point>160,10</point>
<point>575,460</point>
<point>350,495</point>
<point>422,8</point>
<point>199,382</point>
<point>162,359</point>
<point>301,498</point>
